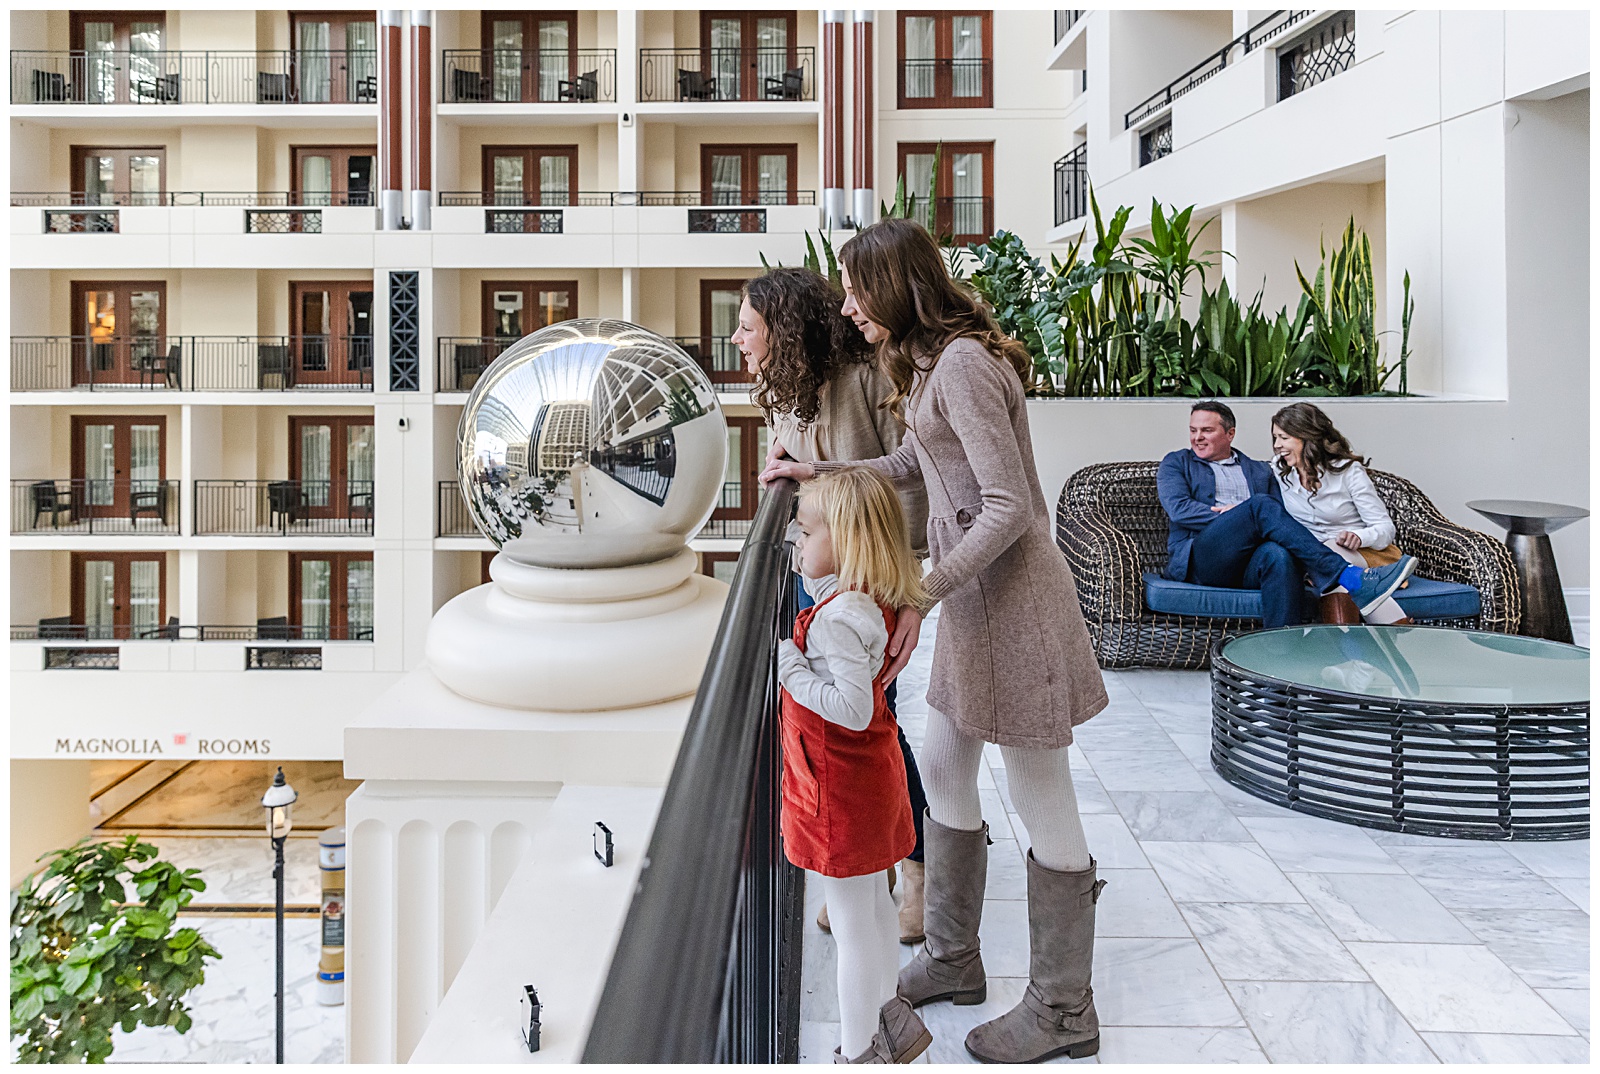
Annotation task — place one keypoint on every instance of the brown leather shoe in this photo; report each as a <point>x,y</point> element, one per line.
<point>1339,609</point>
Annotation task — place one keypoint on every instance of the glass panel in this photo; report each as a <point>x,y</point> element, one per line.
<point>508,171</point>
<point>507,314</point>
<point>726,179</point>
<point>144,179</point>
<point>144,596</point>
<point>358,598</point>
<point>555,306</point>
<point>772,179</point>
<point>506,40</point>
<point>360,314</point>
<point>553,58</point>
<point>361,39</point>
<point>316,468</point>
<point>733,472</point>
<point>726,59</point>
<point>966,37</point>
<point>99,597</point>
<point>145,467</point>
<point>316,593</point>
<point>358,466</point>
<point>100,41</point>
<point>312,61</point>
<point>772,39</point>
<point>315,311</point>
<point>145,67</point>
<point>360,179</point>
<point>316,180</point>
<point>99,178</point>
<point>99,462</point>
<point>724,322</point>
<point>918,59</point>
<point>554,180</point>
<point>145,312</point>
<point>966,187</point>
<point>919,182</point>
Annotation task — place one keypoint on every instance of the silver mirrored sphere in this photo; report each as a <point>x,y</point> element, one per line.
<point>592,443</point>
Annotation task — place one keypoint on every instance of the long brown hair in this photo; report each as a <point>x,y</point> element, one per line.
<point>1323,448</point>
<point>809,342</point>
<point>900,283</point>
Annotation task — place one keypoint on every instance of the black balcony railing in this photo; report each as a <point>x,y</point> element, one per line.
<point>198,363</point>
<point>529,76</point>
<point>720,985</point>
<point>946,83</point>
<point>1072,185</point>
<point>278,629</point>
<point>727,221</point>
<point>283,221</point>
<point>286,76</point>
<point>1328,50</point>
<point>964,219</point>
<point>455,520</point>
<point>727,74</point>
<point>80,221</point>
<point>1064,23</point>
<point>1155,142</point>
<point>523,222</point>
<point>192,198</point>
<point>1247,42</point>
<point>283,508</point>
<point>92,505</point>
<point>719,358</point>
<point>462,360</point>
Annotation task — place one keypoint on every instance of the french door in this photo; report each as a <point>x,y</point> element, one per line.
<point>115,458</point>
<point>513,308</point>
<point>748,174</point>
<point>528,54</point>
<point>719,319</point>
<point>113,175</point>
<point>965,203</point>
<point>121,325</point>
<point>331,326</point>
<point>333,174</point>
<point>530,174</point>
<point>742,50</point>
<point>330,595</point>
<point>335,56</point>
<point>118,56</point>
<point>331,458</point>
<point>748,440</point>
<point>119,594</point>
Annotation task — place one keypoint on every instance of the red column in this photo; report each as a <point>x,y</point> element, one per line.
<point>422,120</point>
<point>835,205</point>
<point>391,114</point>
<point>866,115</point>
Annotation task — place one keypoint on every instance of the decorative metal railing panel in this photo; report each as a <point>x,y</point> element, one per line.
<point>283,508</point>
<point>67,223</point>
<point>1155,143</point>
<point>1327,51</point>
<point>1072,185</point>
<point>66,506</point>
<point>704,75</point>
<point>523,222</point>
<point>285,76</point>
<point>529,76</point>
<point>1247,42</point>
<point>280,222</point>
<point>405,331</point>
<point>727,221</point>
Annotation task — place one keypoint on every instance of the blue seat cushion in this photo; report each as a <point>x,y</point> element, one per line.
<point>1422,598</point>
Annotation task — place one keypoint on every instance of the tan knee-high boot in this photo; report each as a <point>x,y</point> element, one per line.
<point>949,966</point>
<point>1057,1012</point>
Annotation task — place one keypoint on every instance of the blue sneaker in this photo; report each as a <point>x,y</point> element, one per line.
<point>1380,582</point>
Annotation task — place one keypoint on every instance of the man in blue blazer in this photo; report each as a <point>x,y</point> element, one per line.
<point>1228,528</point>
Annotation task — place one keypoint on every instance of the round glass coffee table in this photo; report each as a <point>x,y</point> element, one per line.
<point>1428,730</point>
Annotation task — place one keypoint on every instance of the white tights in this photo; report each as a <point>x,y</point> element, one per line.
<point>866,932</point>
<point>1039,781</point>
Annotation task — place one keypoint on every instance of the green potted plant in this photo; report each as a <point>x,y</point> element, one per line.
<point>85,959</point>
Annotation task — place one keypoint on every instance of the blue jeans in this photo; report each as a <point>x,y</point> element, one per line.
<point>1258,545</point>
<point>919,798</point>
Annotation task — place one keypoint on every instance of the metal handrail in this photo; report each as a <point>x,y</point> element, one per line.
<point>720,983</point>
<point>139,199</point>
<point>1249,41</point>
<point>1072,184</point>
<point>172,77</point>
<point>80,632</point>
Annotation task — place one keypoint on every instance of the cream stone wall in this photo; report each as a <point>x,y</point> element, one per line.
<point>49,810</point>
<point>41,584</point>
<point>592,297</point>
<point>597,154</point>
<point>689,138</point>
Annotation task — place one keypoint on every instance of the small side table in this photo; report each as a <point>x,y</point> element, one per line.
<point>1528,525</point>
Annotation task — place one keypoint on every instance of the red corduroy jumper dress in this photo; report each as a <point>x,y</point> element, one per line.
<point>845,807</point>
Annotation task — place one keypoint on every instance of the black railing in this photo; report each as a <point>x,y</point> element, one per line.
<point>283,222</point>
<point>620,198</point>
<point>720,359</point>
<point>141,199</point>
<point>455,520</point>
<point>944,82</point>
<point>1328,50</point>
<point>67,222</point>
<point>1247,42</point>
<point>64,629</point>
<point>462,360</point>
<point>529,76</point>
<point>1072,185</point>
<point>1155,142</point>
<point>721,984</point>
<point>732,500</point>
<point>91,505</point>
<point>1064,23</point>
<point>727,221</point>
<point>523,222</point>
<point>517,199</point>
<point>283,508</point>
<point>727,74</point>
<point>286,76</point>
<point>963,218</point>
<point>196,363</point>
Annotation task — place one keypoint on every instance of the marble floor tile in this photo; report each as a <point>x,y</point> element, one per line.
<point>950,1024</point>
<point>1239,803</point>
<point>1181,718</point>
<point>1327,1022</point>
<point>1144,770</point>
<point>1521,890</point>
<point>1507,1048</point>
<point>1546,948</point>
<point>817,1041</point>
<point>1574,888</point>
<point>1379,908</point>
<point>1571,1004</point>
<point>1567,859</point>
<point>1092,797</point>
<point>1178,1044</point>
<point>994,810</point>
<point>1152,684</point>
<point>1121,730</point>
<point>1007,873</point>
<point>1456,988</point>
<point>1476,859</point>
<point>1158,982</point>
<point>1195,746</point>
<point>239,870</point>
<point>1179,816</point>
<point>1269,942</point>
<point>1135,903</point>
<point>1003,934</point>
<point>1315,845</point>
<point>1219,872</point>
<point>1111,843</point>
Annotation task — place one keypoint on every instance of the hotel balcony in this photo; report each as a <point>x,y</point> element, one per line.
<point>462,359</point>
<point>72,506</point>
<point>529,76</point>
<point>191,363</point>
<point>156,78</point>
<point>712,75</point>
<point>283,508</point>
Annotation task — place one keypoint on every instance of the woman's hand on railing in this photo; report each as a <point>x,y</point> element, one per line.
<point>775,452</point>
<point>907,629</point>
<point>780,468</point>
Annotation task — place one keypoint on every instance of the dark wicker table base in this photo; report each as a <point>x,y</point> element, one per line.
<point>1457,770</point>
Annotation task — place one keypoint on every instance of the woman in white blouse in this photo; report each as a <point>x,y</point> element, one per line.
<point>1327,490</point>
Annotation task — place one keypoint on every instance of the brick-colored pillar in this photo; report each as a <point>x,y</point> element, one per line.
<point>422,120</point>
<point>865,120</point>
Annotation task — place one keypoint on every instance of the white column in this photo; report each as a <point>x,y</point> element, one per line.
<point>629,130</point>
<point>630,295</point>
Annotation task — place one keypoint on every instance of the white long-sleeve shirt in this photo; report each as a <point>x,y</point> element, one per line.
<point>845,646</point>
<point>1346,500</point>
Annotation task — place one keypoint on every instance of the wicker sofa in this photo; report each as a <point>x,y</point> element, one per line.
<point>1113,532</point>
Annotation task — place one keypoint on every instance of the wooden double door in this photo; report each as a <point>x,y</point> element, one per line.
<point>332,460</point>
<point>116,460</point>
<point>120,330</point>
<point>330,595</point>
<point>528,54</point>
<point>746,53</point>
<point>331,332</point>
<point>119,594</point>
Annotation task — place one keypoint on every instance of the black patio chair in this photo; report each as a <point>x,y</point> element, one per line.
<point>586,87</point>
<point>274,628</point>
<point>169,632</point>
<point>786,87</point>
<point>164,88</point>
<point>49,498</point>
<point>169,367</point>
<point>694,86</point>
<point>148,501</point>
<point>49,86</point>
<point>471,360</point>
<point>274,360</point>
<point>468,86</point>
<point>271,88</point>
<point>285,500</point>
<point>60,627</point>
<point>367,89</point>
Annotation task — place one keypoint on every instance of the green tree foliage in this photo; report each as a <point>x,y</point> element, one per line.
<point>85,959</point>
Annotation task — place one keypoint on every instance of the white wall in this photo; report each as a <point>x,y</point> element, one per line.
<point>49,810</point>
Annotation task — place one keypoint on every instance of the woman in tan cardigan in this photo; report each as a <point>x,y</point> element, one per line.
<point>1012,663</point>
<point>824,398</point>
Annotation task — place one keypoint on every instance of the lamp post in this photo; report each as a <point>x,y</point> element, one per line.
<point>277,802</point>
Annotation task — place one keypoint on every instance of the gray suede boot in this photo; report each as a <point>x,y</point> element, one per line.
<point>948,966</point>
<point>900,1038</point>
<point>1057,1013</point>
